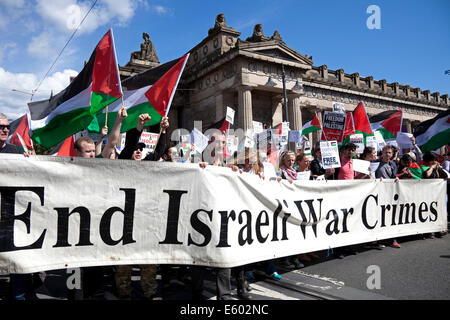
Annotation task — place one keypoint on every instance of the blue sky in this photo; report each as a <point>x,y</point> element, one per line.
<point>412,47</point>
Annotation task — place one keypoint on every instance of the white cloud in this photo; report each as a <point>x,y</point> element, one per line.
<point>66,15</point>
<point>14,103</point>
<point>7,50</point>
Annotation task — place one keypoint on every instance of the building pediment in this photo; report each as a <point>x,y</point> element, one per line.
<point>273,49</point>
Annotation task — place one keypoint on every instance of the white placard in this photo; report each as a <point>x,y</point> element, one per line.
<point>295,136</point>
<point>199,140</point>
<point>404,139</point>
<point>230,115</point>
<point>371,141</point>
<point>304,175</point>
<point>361,166</point>
<point>373,167</point>
<point>257,127</point>
<point>358,140</point>
<point>330,154</point>
<point>380,140</point>
<point>338,107</point>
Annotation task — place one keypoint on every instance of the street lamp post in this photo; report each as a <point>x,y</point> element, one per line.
<point>283,76</point>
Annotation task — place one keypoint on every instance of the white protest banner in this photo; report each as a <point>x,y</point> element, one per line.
<point>338,107</point>
<point>230,115</point>
<point>404,140</point>
<point>362,166</point>
<point>358,140</point>
<point>333,126</point>
<point>330,154</point>
<point>61,212</point>
<point>199,140</point>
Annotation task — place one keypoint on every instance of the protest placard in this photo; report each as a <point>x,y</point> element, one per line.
<point>333,126</point>
<point>330,154</point>
<point>358,140</point>
<point>230,115</point>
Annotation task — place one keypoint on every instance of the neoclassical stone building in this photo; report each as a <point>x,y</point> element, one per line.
<point>247,75</point>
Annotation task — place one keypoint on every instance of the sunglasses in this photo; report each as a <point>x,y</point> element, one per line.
<point>3,126</point>
<point>139,148</point>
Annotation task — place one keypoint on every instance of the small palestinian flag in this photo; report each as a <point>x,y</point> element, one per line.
<point>416,170</point>
<point>311,126</point>
<point>20,133</point>
<point>388,123</point>
<point>349,128</point>
<point>71,110</point>
<point>65,148</point>
<point>149,92</point>
<point>434,133</point>
<point>361,121</point>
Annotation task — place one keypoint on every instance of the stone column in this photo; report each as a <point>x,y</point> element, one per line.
<point>245,113</point>
<point>294,112</point>
<point>277,110</point>
<point>220,112</point>
<point>295,115</point>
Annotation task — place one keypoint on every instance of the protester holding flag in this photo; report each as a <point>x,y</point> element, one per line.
<point>109,151</point>
<point>408,169</point>
<point>132,139</point>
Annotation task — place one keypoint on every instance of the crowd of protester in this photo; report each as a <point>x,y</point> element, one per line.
<point>412,164</point>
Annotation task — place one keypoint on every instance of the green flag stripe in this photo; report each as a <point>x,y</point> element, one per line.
<point>100,100</point>
<point>438,140</point>
<point>130,122</point>
<point>74,121</point>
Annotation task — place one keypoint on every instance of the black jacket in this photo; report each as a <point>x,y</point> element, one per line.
<point>132,139</point>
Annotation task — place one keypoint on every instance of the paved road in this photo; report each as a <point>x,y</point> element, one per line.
<point>420,269</point>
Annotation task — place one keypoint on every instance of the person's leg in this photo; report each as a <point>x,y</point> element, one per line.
<point>123,281</point>
<point>223,283</point>
<point>148,280</point>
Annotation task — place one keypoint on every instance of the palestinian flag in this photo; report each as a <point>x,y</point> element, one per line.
<point>20,133</point>
<point>416,170</point>
<point>361,121</point>
<point>149,92</point>
<point>349,128</point>
<point>71,110</point>
<point>65,148</point>
<point>434,133</point>
<point>311,126</point>
<point>388,123</point>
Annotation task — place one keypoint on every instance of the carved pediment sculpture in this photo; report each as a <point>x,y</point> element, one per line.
<point>147,52</point>
<point>220,22</point>
<point>258,34</point>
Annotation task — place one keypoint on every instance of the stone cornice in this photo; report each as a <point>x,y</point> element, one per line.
<point>376,88</point>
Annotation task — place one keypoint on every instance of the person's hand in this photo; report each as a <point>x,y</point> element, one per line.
<point>203,165</point>
<point>164,124</point>
<point>122,114</point>
<point>261,175</point>
<point>104,132</point>
<point>142,120</point>
<point>29,153</point>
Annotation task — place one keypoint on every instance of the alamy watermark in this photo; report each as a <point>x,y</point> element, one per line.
<point>374,280</point>
<point>374,20</point>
